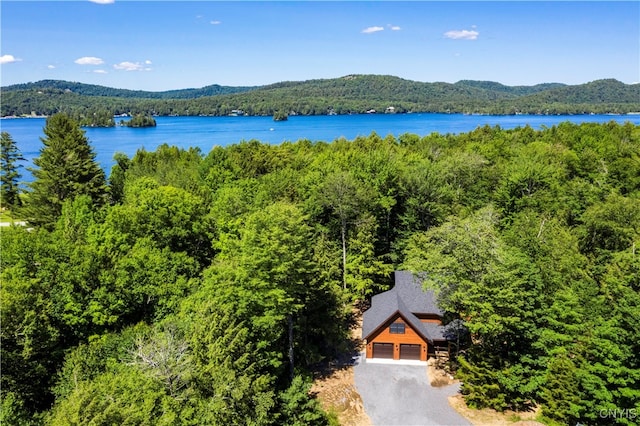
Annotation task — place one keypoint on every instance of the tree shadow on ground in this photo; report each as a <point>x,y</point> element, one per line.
<point>350,347</point>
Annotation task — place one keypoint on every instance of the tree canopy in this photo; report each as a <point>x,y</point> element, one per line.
<point>213,284</point>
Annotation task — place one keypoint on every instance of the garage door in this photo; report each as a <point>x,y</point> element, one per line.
<point>383,350</point>
<point>410,352</point>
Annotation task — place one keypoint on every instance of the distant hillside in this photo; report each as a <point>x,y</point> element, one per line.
<point>512,90</point>
<point>344,95</point>
<point>378,87</point>
<point>95,90</point>
<point>599,91</point>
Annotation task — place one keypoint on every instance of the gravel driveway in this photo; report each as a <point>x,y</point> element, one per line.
<point>402,395</point>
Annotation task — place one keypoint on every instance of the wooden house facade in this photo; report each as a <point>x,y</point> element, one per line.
<point>404,323</point>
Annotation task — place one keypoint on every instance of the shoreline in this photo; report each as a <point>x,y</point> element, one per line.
<point>586,114</point>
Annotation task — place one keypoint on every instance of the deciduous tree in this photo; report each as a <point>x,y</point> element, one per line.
<point>344,195</point>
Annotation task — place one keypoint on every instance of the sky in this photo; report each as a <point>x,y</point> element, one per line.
<point>164,45</point>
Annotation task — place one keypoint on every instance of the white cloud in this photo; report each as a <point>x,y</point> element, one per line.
<point>132,66</point>
<point>103,1</point>
<point>216,22</point>
<point>462,34</point>
<point>89,60</point>
<point>128,66</point>
<point>394,27</point>
<point>370,30</point>
<point>100,71</point>
<point>51,67</point>
<point>7,59</point>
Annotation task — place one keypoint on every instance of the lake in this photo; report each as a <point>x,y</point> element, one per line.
<point>207,132</point>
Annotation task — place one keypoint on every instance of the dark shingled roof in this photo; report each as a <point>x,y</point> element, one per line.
<point>408,299</point>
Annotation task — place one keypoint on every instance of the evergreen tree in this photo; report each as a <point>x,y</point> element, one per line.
<point>66,168</point>
<point>9,173</point>
<point>364,269</point>
<point>117,176</point>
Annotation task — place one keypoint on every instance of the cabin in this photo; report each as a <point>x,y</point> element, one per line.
<point>404,323</point>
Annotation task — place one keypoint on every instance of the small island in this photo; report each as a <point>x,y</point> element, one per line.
<point>280,116</point>
<point>140,120</point>
<point>94,118</point>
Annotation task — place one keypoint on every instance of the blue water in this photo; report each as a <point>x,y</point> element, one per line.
<point>207,132</point>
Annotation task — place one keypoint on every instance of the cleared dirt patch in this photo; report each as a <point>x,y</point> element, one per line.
<point>489,417</point>
<point>337,393</point>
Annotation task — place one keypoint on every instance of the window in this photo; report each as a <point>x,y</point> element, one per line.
<point>396,328</point>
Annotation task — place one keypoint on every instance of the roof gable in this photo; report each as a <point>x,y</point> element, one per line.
<point>409,319</point>
<point>406,298</point>
<point>409,289</point>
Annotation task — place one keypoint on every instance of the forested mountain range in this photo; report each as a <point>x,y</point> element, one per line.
<point>512,90</point>
<point>344,95</point>
<point>96,90</point>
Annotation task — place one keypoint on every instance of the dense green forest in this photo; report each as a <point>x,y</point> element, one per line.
<point>204,288</point>
<point>95,90</point>
<point>94,118</point>
<point>345,95</point>
<point>139,121</point>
